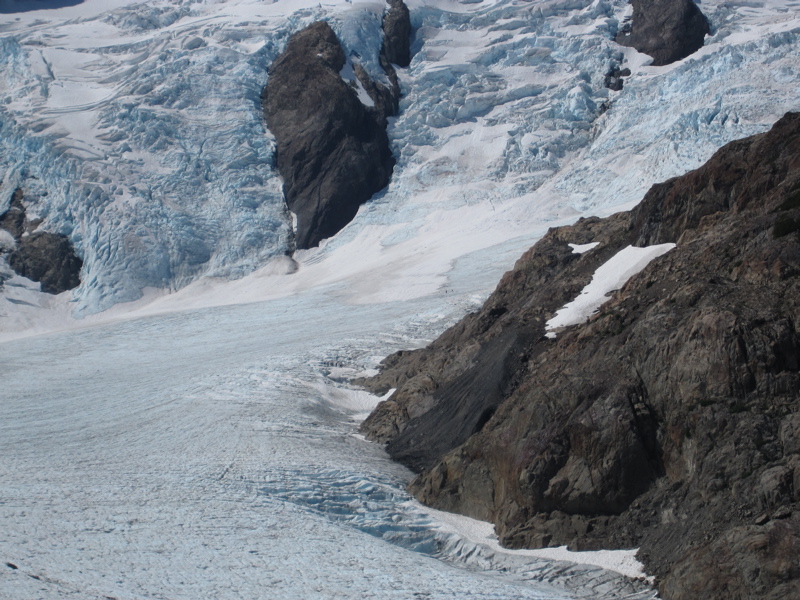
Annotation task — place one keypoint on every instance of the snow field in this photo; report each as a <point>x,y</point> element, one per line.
<point>620,561</point>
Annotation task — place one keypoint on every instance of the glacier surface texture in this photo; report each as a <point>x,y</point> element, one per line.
<point>181,426</point>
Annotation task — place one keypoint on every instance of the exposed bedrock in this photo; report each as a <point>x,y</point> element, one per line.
<point>332,149</point>
<point>13,220</point>
<point>48,258</point>
<point>397,34</point>
<point>614,78</point>
<point>667,30</point>
<point>669,421</point>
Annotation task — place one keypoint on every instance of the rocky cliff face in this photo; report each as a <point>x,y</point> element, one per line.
<point>332,149</point>
<point>670,421</point>
<point>48,258</point>
<point>397,34</point>
<point>667,30</point>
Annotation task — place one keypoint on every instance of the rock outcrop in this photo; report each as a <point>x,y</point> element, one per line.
<point>332,149</point>
<point>13,221</point>
<point>48,258</point>
<point>397,34</point>
<point>669,421</point>
<point>614,78</point>
<point>667,30</point>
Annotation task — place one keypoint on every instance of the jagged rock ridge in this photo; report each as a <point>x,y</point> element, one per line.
<point>332,149</point>
<point>48,258</point>
<point>670,421</point>
<point>667,30</point>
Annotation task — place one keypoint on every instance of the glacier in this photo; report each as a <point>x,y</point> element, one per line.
<point>175,427</point>
<point>137,130</point>
<point>213,453</point>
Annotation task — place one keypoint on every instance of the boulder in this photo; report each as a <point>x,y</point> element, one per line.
<point>13,221</point>
<point>49,259</point>
<point>614,78</point>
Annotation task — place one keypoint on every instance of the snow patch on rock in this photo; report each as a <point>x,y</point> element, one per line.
<point>582,248</point>
<point>610,276</point>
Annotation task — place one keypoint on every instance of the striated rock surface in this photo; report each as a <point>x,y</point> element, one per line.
<point>669,421</point>
<point>48,258</point>
<point>667,30</point>
<point>332,149</point>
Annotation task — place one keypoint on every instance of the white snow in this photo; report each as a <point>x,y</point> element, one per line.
<point>348,74</point>
<point>357,404</point>
<point>7,242</point>
<point>610,276</point>
<point>582,248</point>
<point>623,562</point>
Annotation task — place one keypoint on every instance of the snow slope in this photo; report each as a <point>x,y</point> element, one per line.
<point>137,132</point>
